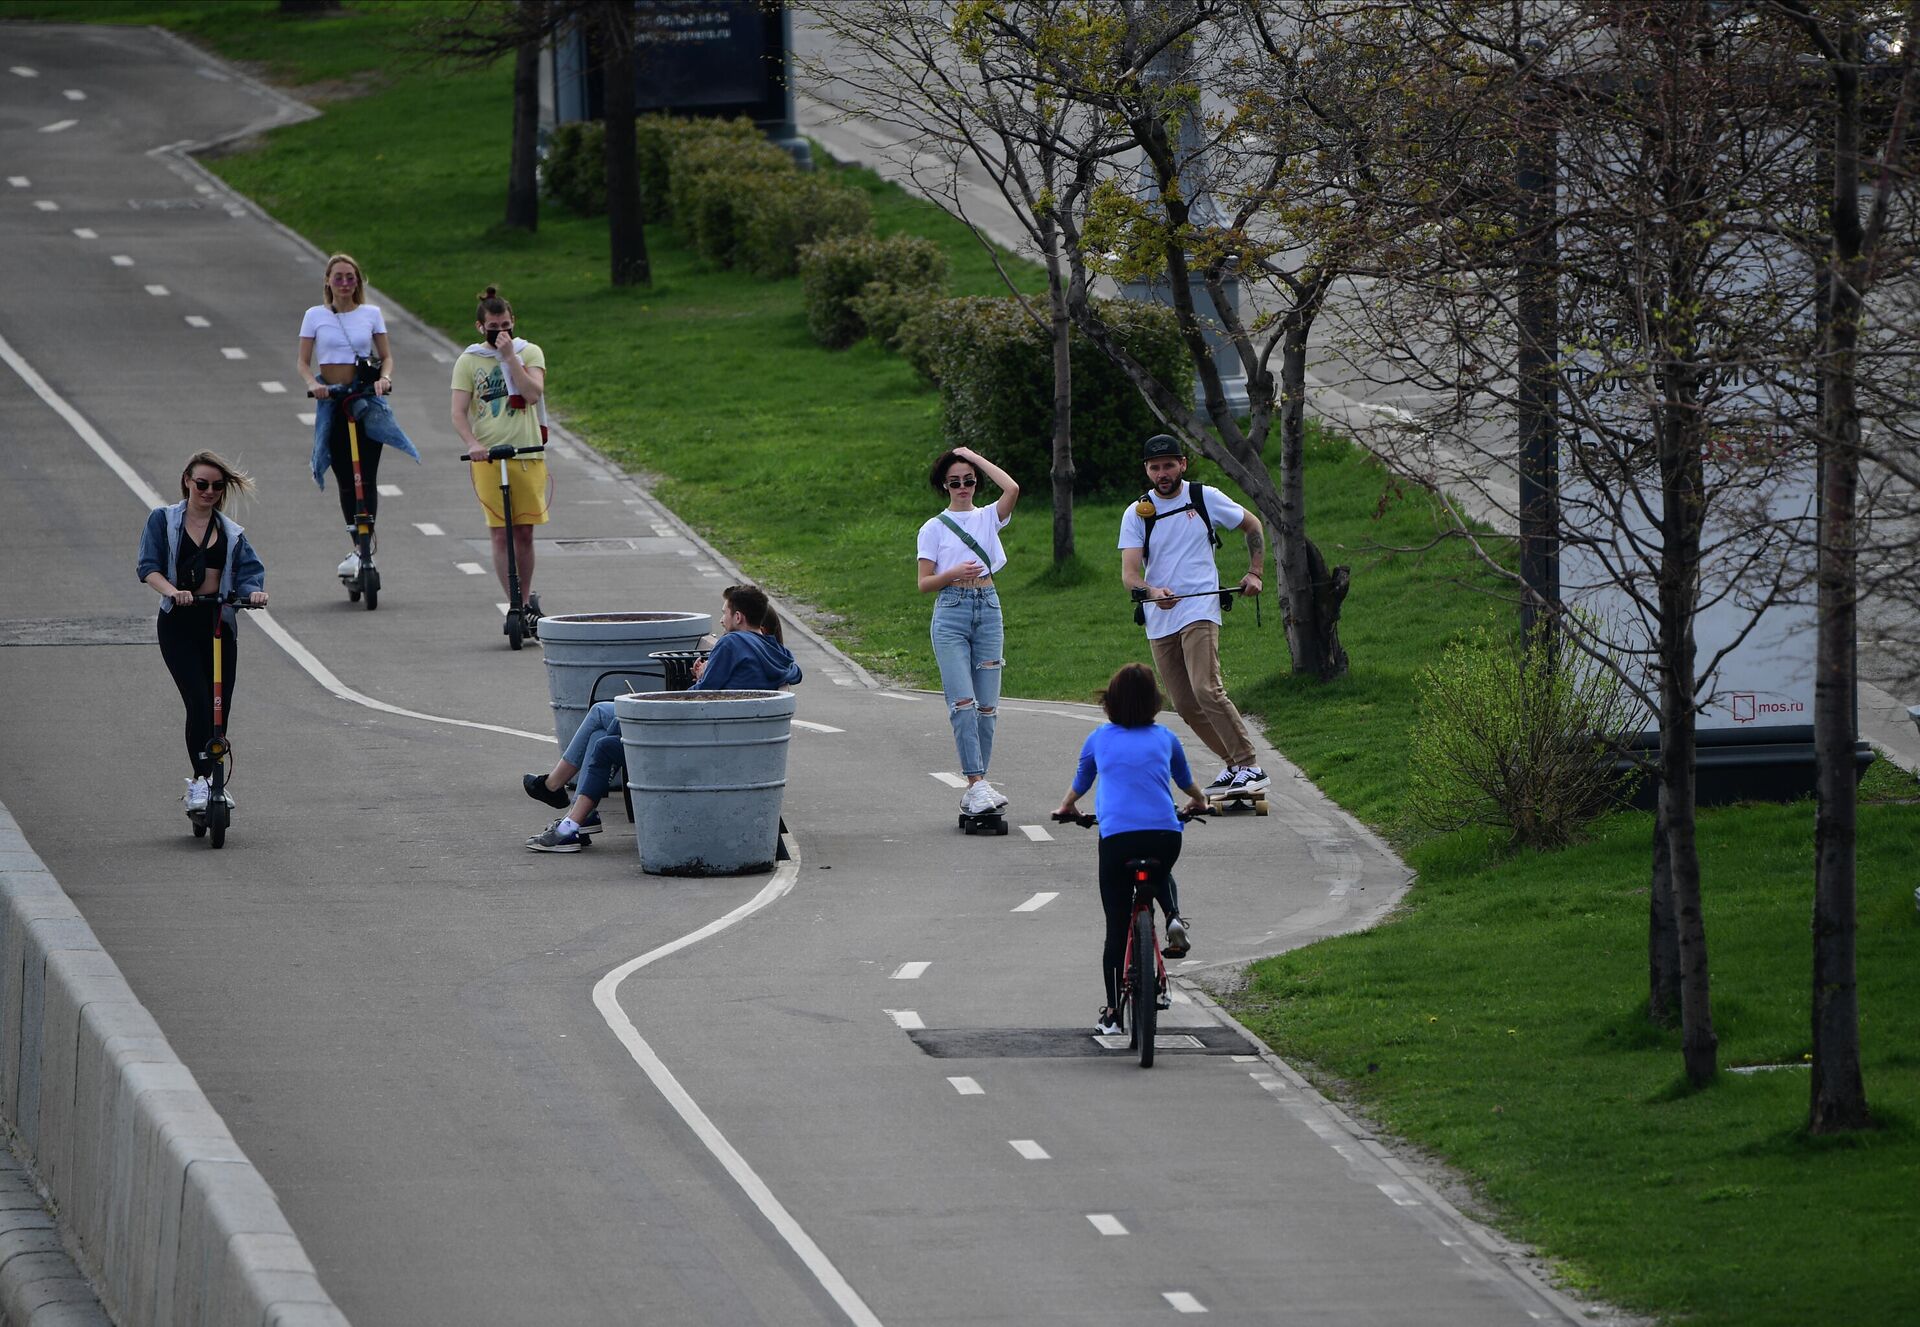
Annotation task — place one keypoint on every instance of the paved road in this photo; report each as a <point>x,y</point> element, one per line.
<point>393,1004</point>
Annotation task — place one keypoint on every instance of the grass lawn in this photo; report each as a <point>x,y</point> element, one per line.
<point>1495,1020</point>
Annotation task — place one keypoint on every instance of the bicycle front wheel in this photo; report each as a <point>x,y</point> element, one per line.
<point>1144,983</point>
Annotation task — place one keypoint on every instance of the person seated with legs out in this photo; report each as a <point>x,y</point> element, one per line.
<point>1134,761</point>
<point>747,657</point>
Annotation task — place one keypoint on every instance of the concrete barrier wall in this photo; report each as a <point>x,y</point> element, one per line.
<point>164,1211</point>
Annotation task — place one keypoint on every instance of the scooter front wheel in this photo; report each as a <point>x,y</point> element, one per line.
<point>516,629</point>
<point>218,817</point>
<point>370,586</point>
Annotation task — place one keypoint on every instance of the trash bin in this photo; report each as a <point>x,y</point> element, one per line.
<point>707,771</point>
<point>594,656</point>
<point>676,667</point>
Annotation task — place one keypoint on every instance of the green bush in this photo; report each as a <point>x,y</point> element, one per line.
<point>854,285</point>
<point>657,137</point>
<point>574,172</point>
<point>780,213</point>
<point>994,365</point>
<point>1518,735</point>
<point>711,182</point>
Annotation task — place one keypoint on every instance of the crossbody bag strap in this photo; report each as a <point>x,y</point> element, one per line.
<point>348,336</point>
<point>986,563</point>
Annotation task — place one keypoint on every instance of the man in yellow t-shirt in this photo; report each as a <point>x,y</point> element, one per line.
<point>498,384</point>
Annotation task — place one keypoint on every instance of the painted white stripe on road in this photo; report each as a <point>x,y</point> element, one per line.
<point>74,94</point>
<point>57,126</point>
<point>966,1087</point>
<point>19,181</point>
<point>46,205</point>
<point>1037,833</point>
<point>906,1020</point>
<point>85,233</point>
<point>1038,901</point>
<point>1029,1149</point>
<point>951,780</point>
<point>1183,1302</point>
<point>1399,1193</point>
<point>159,292</point>
<point>606,997</point>
<point>122,260</point>
<point>470,568</point>
<point>24,71</point>
<point>233,352</point>
<point>443,356</point>
<point>813,727</point>
<point>1106,1223</point>
<point>305,417</point>
<point>195,320</point>
<point>428,528</point>
<point>910,971</point>
<point>270,388</point>
<point>387,490</point>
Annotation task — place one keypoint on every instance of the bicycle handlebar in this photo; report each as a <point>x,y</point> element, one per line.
<point>1086,821</point>
<point>503,452</point>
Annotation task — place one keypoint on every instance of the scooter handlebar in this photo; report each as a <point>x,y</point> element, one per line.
<point>225,601</point>
<point>504,452</point>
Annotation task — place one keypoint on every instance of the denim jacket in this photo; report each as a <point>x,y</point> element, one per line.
<point>373,414</point>
<point>160,546</point>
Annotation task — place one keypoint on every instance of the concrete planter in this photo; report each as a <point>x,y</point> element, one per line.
<point>707,770</point>
<point>595,656</point>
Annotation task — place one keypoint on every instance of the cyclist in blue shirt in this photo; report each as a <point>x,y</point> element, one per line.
<point>1135,761</point>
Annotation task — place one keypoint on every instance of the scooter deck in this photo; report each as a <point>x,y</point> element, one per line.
<point>1229,799</point>
<point>985,822</point>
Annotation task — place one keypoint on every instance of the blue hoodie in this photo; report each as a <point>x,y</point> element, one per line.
<point>748,661</point>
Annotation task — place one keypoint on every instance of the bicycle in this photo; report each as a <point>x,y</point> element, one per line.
<point>364,583</point>
<point>1139,1008</point>
<point>212,821</point>
<point>520,622</point>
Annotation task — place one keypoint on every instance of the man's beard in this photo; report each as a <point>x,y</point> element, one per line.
<point>1166,488</point>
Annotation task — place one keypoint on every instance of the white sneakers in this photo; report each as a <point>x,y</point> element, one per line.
<point>980,798</point>
<point>350,566</point>
<point>196,796</point>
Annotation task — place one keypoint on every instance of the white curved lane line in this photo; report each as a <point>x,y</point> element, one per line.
<point>606,997</point>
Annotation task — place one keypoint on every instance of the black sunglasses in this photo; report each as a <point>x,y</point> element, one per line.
<point>962,483</point>
<point>217,485</point>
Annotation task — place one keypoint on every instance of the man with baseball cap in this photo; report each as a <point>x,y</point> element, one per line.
<point>1166,552</point>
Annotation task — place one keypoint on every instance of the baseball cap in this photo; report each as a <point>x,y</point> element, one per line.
<point>1161,444</point>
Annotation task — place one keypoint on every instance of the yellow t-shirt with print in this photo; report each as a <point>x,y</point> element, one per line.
<point>489,414</point>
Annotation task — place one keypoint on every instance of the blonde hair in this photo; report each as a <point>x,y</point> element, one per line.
<point>238,481</point>
<point>359,280</point>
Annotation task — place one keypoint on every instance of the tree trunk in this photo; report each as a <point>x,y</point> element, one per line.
<point>626,232</point>
<point>523,189</point>
<point>1663,936</point>
<point>1061,329</point>
<point>1310,593</point>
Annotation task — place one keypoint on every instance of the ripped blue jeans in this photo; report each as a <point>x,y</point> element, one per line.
<point>968,642</point>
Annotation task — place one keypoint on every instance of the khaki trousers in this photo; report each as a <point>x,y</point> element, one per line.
<point>1189,666</point>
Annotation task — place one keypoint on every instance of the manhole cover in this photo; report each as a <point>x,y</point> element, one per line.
<point>1063,1043</point>
<point>76,631</point>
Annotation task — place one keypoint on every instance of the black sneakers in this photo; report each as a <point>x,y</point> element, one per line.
<point>536,786</point>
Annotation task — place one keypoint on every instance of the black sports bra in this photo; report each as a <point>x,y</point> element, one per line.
<point>194,560</point>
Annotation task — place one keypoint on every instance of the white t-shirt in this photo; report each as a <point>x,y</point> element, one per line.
<point>1182,559</point>
<point>942,547</point>
<point>336,340</point>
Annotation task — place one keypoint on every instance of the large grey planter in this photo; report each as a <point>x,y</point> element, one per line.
<point>707,770</point>
<point>595,656</point>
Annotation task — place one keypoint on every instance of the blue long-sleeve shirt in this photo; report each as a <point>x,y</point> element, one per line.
<point>1136,768</point>
<point>748,661</point>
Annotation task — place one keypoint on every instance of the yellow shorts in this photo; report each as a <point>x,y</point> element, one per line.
<point>529,484</point>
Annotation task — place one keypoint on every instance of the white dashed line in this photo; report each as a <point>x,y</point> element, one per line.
<point>443,356</point>
<point>1398,1192</point>
<point>951,780</point>
<point>85,233</point>
<point>966,1087</point>
<point>158,291</point>
<point>19,181</point>
<point>1106,1223</point>
<point>1038,901</point>
<point>305,417</point>
<point>57,126</point>
<point>122,260</point>
<point>203,188</point>
<point>502,608</point>
<point>387,490</point>
<point>906,1020</point>
<point>428,528</point>
<point>470,568</point>
<point>24,72</point>
<point>910,971</point>
<point>1029,1149</point>
<point>813,727</point>
<point>195,320</point>
<point>74,94</point>
<point>1037,833</point>
<point>46,205</point>
<point>270,388</point>
<point>1183,1302</point>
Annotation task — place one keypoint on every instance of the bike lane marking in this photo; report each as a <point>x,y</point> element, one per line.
<point>1038,901</point>
<point>1106,1223</point>
<point>910,971</point>
<point>966,1087</point>
<point>1183,1302</point>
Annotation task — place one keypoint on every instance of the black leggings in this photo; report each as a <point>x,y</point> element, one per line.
<point>186,643</point>
<point>341,454</point>
<point>1116,892</point>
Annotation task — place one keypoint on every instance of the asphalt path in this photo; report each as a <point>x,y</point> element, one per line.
<point>490,1086</point>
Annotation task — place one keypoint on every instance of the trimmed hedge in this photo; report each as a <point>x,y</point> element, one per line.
<point>781,213</point>
<point>856,285</point>
<point>710,182</point>
<point>995,370</point>
<point>574,171</point>
<point>657,137</point>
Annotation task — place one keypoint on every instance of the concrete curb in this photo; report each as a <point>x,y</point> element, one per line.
<point>162,1210</point>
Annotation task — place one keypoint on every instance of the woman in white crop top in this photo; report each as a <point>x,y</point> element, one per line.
<point>959,552</point>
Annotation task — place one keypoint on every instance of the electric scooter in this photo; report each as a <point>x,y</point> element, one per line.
<point>520,620</point>
<point>365,583</point>
<point>211,822</point>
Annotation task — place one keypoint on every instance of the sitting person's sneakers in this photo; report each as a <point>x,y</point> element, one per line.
<point>1107,1023</point>
<point>561,836</point>
<point>590,826</point>
<point>1177,945</point>
<point>536,786</point>
<point>1250,779</point>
